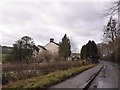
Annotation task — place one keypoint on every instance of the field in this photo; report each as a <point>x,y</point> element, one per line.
<point>3,57</point>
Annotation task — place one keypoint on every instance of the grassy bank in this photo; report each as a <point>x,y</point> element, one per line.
<point>48,80</point>
<point>16,72</point>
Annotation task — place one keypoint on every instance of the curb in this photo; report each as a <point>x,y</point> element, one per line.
<point>91,79</point>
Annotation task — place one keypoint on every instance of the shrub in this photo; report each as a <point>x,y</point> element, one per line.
<point>14,72</point>
<point>43,57</point>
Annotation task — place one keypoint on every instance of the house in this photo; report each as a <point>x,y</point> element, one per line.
<point>75,56</point>
<point>41,49</point>
<point>52,48</point>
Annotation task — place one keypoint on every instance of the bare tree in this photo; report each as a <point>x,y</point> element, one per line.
<point>111,34</point>
<point>111,31</point>
<point>114,9</point>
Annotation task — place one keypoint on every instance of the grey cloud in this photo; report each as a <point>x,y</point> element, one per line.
<point>80,20</point>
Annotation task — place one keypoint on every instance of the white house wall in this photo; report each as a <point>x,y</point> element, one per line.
<point>52,48</point>
<point>41,49</point>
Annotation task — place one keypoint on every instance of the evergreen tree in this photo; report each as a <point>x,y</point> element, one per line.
<point>65,47</point>
<point>90,50</point>
<point>83,52</point>
<point>94,52</point>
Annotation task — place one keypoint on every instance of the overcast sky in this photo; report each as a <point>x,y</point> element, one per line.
<point>81,21</point>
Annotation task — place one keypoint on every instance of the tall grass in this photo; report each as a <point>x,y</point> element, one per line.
<point>48,80</point>
<point>14,72</point>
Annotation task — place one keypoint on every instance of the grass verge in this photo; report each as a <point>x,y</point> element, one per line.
<point>49,79</point>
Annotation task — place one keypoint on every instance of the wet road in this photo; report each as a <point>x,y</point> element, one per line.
<point>107,78</point>
<point>78,81</point>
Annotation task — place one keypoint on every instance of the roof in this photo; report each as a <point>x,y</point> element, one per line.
<point>56,43</point>
<point>42,47</point>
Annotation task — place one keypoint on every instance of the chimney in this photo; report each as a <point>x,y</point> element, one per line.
<point>51,39</point>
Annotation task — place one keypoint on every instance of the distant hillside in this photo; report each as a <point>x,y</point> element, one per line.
<point>6,49</point>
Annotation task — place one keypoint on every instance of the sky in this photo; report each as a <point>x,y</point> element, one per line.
<point>44,19</point>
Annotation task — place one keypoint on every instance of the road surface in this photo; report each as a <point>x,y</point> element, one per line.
<point>107,78</point>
